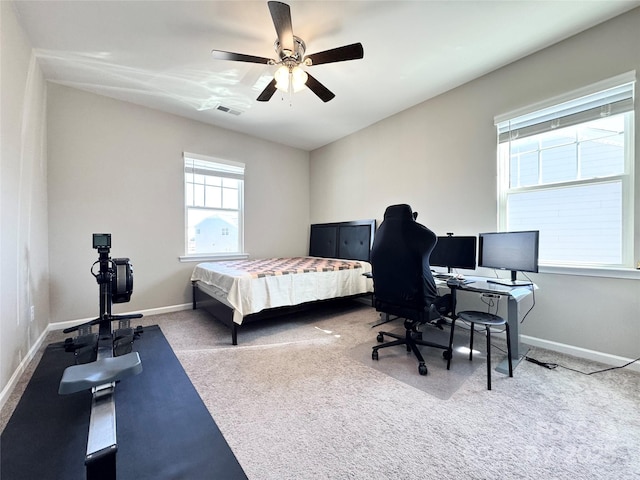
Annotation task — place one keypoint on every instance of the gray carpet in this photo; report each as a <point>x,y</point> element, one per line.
<point>295,400</point>
<point>403,366</point>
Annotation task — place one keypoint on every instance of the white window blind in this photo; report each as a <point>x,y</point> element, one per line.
<point>580,110</point>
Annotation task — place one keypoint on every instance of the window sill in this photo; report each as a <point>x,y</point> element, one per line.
<point>630,273</point>
<point>213,257</point>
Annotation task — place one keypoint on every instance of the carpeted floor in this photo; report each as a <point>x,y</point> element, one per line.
<point>395,361</point>
<point>301,398</point>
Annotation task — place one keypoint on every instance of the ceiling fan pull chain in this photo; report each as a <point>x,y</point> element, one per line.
<point>290,89</point>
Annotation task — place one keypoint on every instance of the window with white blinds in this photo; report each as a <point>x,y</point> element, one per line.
<point>213,205</point>
<point>566,169</point>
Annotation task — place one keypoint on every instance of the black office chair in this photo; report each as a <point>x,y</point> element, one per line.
<point>402,281</point>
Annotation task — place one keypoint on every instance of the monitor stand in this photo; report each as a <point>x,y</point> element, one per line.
<point>511,283</point>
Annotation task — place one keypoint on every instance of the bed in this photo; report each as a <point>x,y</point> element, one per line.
<point>238,292</point>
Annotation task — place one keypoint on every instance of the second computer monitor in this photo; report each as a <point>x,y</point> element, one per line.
<point>512,251</point>
<point>454,252</point>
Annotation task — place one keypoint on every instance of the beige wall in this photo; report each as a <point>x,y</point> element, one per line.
<point>116,167</point>
<point>440,157</point>
<point>24,265</point>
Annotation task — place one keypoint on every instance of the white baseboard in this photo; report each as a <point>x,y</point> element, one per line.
<point>8,389</point>
<point>151,311</point>
<point>605,358</point>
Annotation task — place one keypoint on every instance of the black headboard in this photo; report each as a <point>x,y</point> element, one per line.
<point>345,240</point>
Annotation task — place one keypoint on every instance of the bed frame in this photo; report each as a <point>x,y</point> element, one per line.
<point>343,240</point>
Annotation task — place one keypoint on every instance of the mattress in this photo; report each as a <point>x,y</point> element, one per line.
<point>250,286</point>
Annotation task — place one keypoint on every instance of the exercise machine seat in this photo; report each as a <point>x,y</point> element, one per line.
<point>106,370</point>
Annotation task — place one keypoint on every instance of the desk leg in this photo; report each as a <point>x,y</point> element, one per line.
<point>518,350</point>
<point>387,319</point>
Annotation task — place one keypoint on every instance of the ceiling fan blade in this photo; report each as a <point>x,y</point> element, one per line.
<point>319,89</point>
<point>268,92</point>
<point>238,57</point>
<point>281,15</point>
<point>340,54</point>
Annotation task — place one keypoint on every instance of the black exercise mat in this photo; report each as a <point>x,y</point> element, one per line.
<point>164,430</point>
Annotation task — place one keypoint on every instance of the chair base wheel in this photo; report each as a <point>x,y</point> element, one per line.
<point>447,354</point>
<point>374,355</point>
<point>422,369</point>
<point>380,338</point>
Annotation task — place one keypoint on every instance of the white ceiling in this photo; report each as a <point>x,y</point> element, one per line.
<point>157,54</point>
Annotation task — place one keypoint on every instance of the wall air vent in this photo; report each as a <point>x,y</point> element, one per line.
<point>222,108</point>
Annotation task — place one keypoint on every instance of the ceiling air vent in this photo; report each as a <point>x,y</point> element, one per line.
<point>222,108</point>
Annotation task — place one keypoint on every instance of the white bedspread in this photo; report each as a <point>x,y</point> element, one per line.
<point>248,291</point>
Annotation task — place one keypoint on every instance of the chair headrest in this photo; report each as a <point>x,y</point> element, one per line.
<point>401,211</point>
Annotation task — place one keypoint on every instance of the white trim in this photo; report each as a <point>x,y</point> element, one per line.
<point>212,257</point>
<point>207,158</point>
<point>151,311</point>
<point>13,381</point>
<point>583,353</point>
<point>583,271</point>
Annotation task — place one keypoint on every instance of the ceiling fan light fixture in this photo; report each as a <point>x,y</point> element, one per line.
<point>298,79</point>
<point>282,78</point>
<point>290,78</point>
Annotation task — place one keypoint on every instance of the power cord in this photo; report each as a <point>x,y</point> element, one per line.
<point>488,300</point>
<point>533,293</point>
<point>533,299</point>
<point>551,366</point>
<point>548,365</point>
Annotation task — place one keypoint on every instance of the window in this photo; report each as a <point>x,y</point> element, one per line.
<point>567,171</point>
<point>213,205</point>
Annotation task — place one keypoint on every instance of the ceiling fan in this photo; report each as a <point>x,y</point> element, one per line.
<point>290,77</point>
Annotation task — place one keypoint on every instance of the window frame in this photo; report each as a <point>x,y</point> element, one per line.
<point>628,266</point>
<point>217,167</point>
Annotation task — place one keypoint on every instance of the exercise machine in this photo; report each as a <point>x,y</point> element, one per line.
<point>104,358</point>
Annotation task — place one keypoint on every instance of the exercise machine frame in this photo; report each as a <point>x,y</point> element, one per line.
<point>113,361</point>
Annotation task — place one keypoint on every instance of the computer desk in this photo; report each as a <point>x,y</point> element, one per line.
<point>514,295</point>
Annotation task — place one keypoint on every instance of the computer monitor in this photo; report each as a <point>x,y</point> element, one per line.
<point>454,252</point>
<point>514,251</point>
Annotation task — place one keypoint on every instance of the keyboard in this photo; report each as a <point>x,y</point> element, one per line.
<point>443,276</point>
<point>459,281</point>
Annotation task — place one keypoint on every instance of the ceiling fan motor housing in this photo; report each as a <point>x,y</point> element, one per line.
<point>288,57</point>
